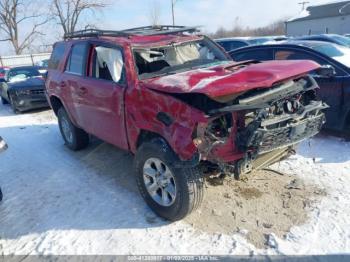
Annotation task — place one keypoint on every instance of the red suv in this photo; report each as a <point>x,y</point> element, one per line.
<point>177,101</point>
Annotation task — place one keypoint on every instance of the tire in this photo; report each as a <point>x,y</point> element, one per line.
<point>12,104</point>
<point>186,182</point>
<point>74,137</point>
<point>4,101</point>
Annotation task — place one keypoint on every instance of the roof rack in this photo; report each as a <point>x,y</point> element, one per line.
<point>94,33</point>
<point>161,30</point>
<point>145,31</point>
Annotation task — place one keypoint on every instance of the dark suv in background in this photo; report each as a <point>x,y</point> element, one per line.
<point>334,85</point>
<point>24,88</point>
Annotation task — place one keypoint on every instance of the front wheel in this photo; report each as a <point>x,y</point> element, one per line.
<point>171,191</point>
<point>12,102</point>
<point>74,137</point>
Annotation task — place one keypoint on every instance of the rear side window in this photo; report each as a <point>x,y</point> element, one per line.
<point>259,55</point>
<point>288,54</point>
<point>77,59</point>
<point>57,55</point>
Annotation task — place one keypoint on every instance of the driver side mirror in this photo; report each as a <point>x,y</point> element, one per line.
<point>326,71</point>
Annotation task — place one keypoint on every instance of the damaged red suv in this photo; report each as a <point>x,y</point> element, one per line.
<point>178,102</point>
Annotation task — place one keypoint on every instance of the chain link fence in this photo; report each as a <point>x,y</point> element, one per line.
<point>23,60</point>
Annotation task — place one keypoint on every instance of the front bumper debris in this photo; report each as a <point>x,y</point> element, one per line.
<point>263,139</point>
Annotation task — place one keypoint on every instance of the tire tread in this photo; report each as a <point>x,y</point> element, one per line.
<point>190,177</point>
<point>80,137</point>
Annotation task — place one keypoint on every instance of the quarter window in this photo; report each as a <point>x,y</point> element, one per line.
<point>77,60</point>
<point>57,55</point>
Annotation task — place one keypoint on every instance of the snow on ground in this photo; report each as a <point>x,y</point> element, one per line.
<point>62,202</point>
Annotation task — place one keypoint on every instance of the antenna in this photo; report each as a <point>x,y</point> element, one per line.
<point>303,4</point>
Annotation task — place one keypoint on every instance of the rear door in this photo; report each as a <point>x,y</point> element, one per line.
<point>71,82</point>
<point>101,94</point>
<point>330,87</point>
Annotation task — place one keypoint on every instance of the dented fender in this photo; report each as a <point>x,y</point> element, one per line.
<point>164,115</point>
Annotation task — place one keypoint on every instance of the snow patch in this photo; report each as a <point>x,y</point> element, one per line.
<point>68,203</point>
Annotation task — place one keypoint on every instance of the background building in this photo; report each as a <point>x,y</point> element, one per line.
<point>332,18</point>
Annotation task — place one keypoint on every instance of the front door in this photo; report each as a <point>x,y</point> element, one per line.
<point>330,92</point>
<point>102,95</point>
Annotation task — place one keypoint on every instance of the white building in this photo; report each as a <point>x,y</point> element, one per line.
<point>331,18</point>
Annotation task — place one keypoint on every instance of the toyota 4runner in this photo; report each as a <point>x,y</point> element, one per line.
<point>177,101</point>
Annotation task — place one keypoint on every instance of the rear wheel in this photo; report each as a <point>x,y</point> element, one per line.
<point>171,192</point>
<point>74,137</point>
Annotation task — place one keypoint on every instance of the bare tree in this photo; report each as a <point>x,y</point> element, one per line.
<point>14,14</point>
<point>154,13</point>
<point>275,28</point>
<point>68,13</point>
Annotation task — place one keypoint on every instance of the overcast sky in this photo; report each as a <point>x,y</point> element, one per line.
<point>211,14</point>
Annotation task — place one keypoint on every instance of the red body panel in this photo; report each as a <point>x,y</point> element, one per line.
<point>230,79</point>
<point>124,112</point>
<point>178,135</point>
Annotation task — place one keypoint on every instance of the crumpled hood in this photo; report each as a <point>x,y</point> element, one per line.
<point>30,83</point>
<point>233,78</point>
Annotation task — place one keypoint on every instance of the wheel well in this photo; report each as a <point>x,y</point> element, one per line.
<point>55,103</point>
<point>145,136</point>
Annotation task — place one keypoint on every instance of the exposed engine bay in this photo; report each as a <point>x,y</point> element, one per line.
<point>263,125</point>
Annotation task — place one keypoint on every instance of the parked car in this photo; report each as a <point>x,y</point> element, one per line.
<point>331,38</point>
<point>232,43</point>
<point>3,70</point>
<point>334,87</point>
<point>181,105</point>
<point>43,63</point>
<point>3,147</point>
<point>24,88</point>
<point>266,39</point>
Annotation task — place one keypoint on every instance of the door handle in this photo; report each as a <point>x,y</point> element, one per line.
<point>62,84</point>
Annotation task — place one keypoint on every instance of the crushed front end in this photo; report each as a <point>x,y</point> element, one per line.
<point>260,127</point>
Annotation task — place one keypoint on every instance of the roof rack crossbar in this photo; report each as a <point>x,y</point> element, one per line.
<point>160,30</point>
<point>94,33</point>
<point>145,31</point>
